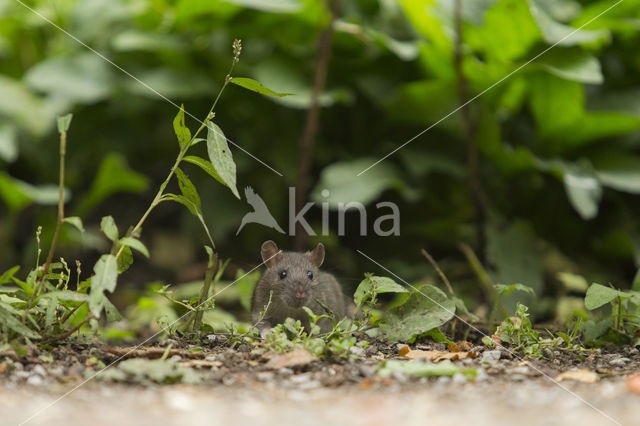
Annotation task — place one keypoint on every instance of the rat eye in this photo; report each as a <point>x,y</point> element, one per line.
<point>310,275</point>
<point>283,274</point>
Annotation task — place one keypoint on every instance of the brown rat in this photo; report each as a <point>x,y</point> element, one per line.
<point>295,281</point>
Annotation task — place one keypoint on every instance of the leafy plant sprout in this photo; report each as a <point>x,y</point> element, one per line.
<point>186,141</point>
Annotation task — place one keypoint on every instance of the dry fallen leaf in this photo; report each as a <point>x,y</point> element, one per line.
<point>290,359</point>
<point>584,376</point>
<point>633,383</point>
<point>434,355</point>
<point>3,367</point>
<point>403,351</point>
<point>462,345</point>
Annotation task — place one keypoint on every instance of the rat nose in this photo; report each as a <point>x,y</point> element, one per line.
<point>299,294</point>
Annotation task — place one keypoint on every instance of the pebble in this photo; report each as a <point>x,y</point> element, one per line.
<point>481,375</point>
<point>357,350</point>
<point>35,380</point>
<point>491,356</point>
<point>371,350</point>
<point>619,361</point>
<point>520,370</point>
<point>285,371</point>
<point>22,374</point>
<point>367,370</point>
<point>38,369</point>
<point>265,376</point>
<point>57,371</point>
<point>459,378</point>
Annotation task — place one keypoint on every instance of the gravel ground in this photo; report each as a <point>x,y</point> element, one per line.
<point>529,402</point>
<point>239,386</point>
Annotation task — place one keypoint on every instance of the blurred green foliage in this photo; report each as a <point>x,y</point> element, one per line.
<point>558,140</point>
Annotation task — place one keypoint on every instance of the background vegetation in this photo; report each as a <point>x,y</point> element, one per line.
<point>558,142</point>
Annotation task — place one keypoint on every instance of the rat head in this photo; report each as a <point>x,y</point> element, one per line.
<point>293,276</point>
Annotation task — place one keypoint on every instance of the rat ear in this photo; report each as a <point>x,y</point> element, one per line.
<point>317,255</point>
<point>270,255</point>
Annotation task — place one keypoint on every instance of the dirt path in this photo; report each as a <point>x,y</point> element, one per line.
<point>239,386</point>
<point>437,402</point>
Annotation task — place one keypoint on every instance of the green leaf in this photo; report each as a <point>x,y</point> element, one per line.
<point>188,189</point>
<point>67,295</point>
<point>171,82</point>
<point>181,199</point>
<point>125,260</point>
<point>423,311</point>
<point>8,143</point>
<point>192,208</point>
<point>24,108</point>
<point>340,180</point>
<point>111,311</point>
<point>135,244</point>
<point>573,282</point>
<point>75,221</point>
<point>599,295</point>
<point>221,157</point>
<point>8,275</point>
<point>83,78</point>
<point>64,121</point>
<point>507,289</point>
<point>114,175</point>
<point>14,324</point>
<point>583,189</point>
<point>255,86</point>
<point>51,311</point>
<point>105,279</point>
<point>573,64</point>
<point>108,226</point>
<point>11,194</point>
<point>634,286</point>
<point>373,284</point>
<point>273,6</point>
<point>24,285</point>
<point>620,172</point>
<point>423,369</point>
<point>131,40</point>
<point>284,78</point>
<point>206,166</point>
<point>245,286</point>
<point>554,32</point>
<point>182,131</point>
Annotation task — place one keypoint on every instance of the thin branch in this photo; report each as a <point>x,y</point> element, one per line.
<point>438,270</point>
<point>212,268</point>
<point>483,278</point>
<point>311,125</point>
<point>475,186</point>
<point>67,333</point>
<point>54,242</point>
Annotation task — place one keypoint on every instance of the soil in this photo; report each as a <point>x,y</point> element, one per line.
<point>240,386</point>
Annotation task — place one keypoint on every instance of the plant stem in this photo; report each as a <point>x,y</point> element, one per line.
<point>475,186</point>
<point>54,242</point>
<point>619,319</point>
<point>438,270</point>
<point>311,124</point>
<point>204,292</point>
<point>484,279</point>
<point>67,333</point>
